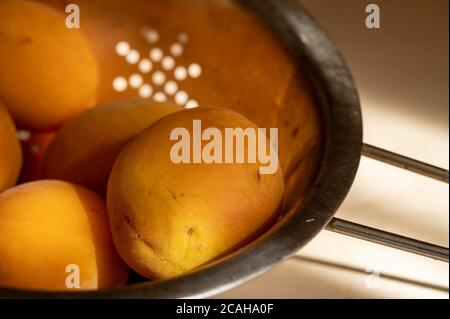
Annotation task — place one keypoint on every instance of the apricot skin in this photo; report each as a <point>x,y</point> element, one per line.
<point>48,72</point>
<point>10,150</point>
<point>46,226</point>
<point>85,149</point>
<point>167,219</point>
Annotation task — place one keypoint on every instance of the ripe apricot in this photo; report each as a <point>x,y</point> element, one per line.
<point>168,218</point>
<point>48,72</point>
<point>48,229</point>
<point>85,149</point>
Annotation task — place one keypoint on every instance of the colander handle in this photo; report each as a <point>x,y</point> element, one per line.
<point>404,162</point>
<point>386,238</point>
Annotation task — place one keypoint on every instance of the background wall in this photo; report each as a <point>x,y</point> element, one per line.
<point>401,67</point>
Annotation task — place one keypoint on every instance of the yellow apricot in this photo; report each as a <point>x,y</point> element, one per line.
<point>51,229</point>
<point>48,72</point>
<point>85,149</point>
<point>168,218</point>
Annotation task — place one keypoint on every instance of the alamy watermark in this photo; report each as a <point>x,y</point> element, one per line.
<point>373,280</point>
<point>73,17</point>
<point>230,148</point>
<point>73,277</point>
<point>373,20</point>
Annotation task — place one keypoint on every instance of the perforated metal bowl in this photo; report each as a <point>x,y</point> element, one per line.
<point>338,102</point>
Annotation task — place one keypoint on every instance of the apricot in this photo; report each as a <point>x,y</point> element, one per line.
<point>85,149</point>
<point>10,151</point>
<point>50,229</point>
<point>48,72</point>
<point>168,218</point>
